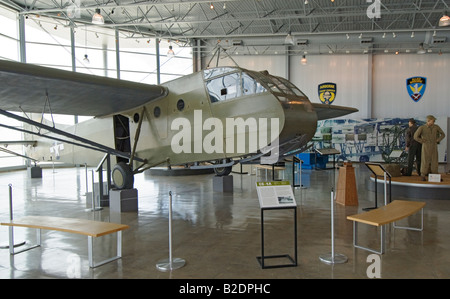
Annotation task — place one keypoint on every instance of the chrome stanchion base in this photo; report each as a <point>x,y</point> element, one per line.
<point>93,210</point>
<point>4,246</point>
<point>336,259</point>
<point>165,264</point>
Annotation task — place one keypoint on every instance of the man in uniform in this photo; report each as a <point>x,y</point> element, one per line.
<point>429,135</point>
<point>413,147</point>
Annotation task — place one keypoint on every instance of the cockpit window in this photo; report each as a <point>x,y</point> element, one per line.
<point>291,87</point>
<point>224,88</point>
<point>214,72</point>
<point>230,85</point>
<point>250,85</point>
<point>226,83</point>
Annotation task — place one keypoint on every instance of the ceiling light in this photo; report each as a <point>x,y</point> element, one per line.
<point>412,34</point>
<point>86,59</point>
<point>170,53</point>
<point>348,36</point>
<point>289,39</point>
<point>444,21</point>
<point>394,35</point>
<point>306,2</point>
<point>303,60</point>
<point>211,5</point>
<point>384,35</point>
<point>97,18</point>
<point>396,52</point>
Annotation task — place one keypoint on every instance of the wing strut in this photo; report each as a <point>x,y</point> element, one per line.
<point>136,137</point>
<point>91,144</point>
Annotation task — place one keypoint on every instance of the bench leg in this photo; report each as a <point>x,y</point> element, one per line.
<point>92,264</point>
<point>413,228</point>
<point>11,241</point>
<point>382,239</point>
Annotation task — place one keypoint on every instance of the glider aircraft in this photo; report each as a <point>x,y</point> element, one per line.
<point>196,121</point>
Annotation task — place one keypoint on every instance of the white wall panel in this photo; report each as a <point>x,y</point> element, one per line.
<point>349,72</point>
<point>390,97</point>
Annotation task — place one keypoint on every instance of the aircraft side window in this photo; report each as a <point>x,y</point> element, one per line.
<point>157,111</point>
<point>250,85</point>
<point>180,105</point>
<point>224,88</point>
<point>136,117</point>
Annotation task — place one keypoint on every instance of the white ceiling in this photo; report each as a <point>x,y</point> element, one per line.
<point>337,26</point>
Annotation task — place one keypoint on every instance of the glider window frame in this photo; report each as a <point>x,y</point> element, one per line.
<point>239,82</point>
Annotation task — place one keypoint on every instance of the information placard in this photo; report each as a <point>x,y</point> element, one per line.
<point>275,194</point>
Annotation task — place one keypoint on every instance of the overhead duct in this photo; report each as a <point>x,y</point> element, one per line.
<point>367,40</point>
<point>439,40</point>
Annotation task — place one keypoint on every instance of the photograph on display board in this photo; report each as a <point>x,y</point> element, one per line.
<point>374,139</point>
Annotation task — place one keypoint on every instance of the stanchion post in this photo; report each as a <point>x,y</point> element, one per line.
<point>333,258</point>
<point>11,244</point>
<point>170,263</point>
<point>93,207</point>
<point>87,180</point>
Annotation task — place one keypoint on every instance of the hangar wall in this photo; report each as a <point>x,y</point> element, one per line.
<point>374,84</point>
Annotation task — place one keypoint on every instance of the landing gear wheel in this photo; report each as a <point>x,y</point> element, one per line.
<point>122,176</point>
<point>222,171</point>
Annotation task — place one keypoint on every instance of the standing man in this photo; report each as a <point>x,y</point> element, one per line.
<point>413,147</point>
<point>429,135</point>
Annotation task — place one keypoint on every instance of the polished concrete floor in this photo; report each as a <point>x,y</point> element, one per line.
<point>217,234</point>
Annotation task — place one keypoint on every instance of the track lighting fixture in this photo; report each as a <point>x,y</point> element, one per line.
<point>444,21</point>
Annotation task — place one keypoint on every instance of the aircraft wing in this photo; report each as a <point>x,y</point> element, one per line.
<point>24,87</point>
<point>325,111</point>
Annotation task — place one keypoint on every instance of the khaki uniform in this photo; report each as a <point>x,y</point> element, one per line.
<point>429,137</point>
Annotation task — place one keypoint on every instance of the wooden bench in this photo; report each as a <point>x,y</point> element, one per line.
<point>91,229</point>
<point>390,213</point>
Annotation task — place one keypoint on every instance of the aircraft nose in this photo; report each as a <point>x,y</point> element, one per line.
<point>300,125</point>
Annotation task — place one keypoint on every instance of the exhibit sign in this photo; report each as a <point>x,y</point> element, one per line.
<point>416,87</point>
<point>276,194</point>
<point>327,92</point>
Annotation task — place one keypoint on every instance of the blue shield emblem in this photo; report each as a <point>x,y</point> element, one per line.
<point>416,87</point>
<point>327,92</point>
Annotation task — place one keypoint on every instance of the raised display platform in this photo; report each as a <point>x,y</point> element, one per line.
<point>414,187</point>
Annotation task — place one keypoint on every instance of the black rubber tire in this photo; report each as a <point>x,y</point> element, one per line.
<point>222,171</point>
<point>122,176</point>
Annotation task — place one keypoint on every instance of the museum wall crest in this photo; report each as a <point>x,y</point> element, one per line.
<point>327,92</point>
<point>416,87</point>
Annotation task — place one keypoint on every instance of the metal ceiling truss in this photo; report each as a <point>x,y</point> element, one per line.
<point>185,20</point>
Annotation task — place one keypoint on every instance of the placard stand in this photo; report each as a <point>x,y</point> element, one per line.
<point>327,152</point>
<point>378,170</point>
<point>293,261</point>
<point>276,196</point>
